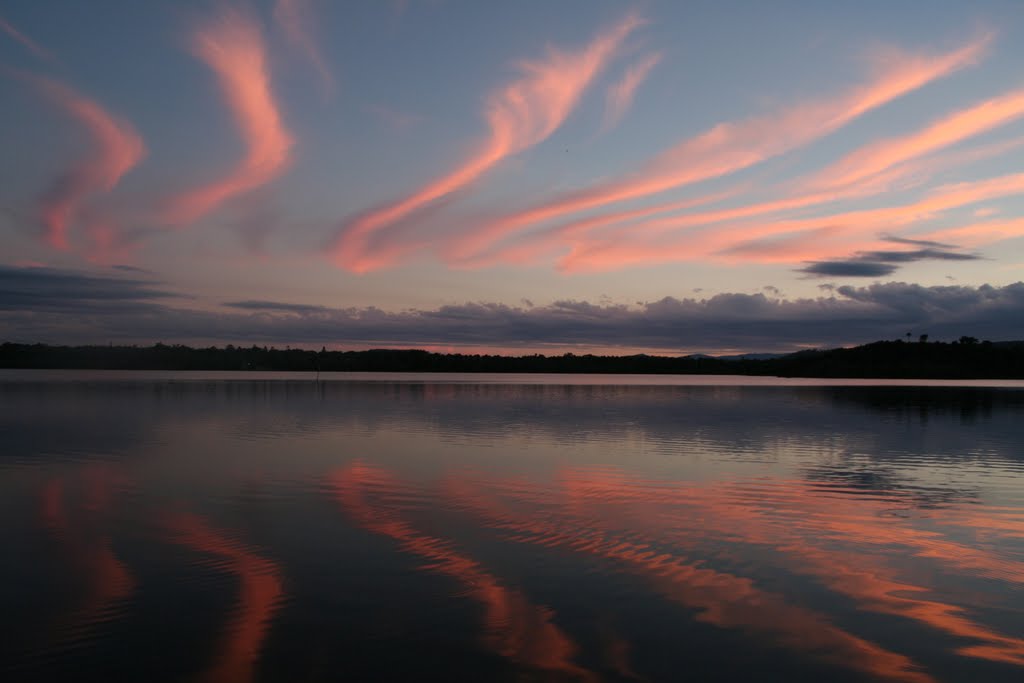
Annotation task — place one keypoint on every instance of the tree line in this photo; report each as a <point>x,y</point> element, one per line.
<point>966,358</point>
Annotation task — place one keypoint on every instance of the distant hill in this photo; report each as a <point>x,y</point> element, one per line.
<point>752,356</point>
<point>966,358</point>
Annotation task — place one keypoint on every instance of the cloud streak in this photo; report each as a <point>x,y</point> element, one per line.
<point>620,95</point>
<point>956,127</point>
<point>294,18</point>
<point>900,167</point>
<point>232,46</point>
<point>116,149</point>
<point>519,115</point>
<point>733,146</point>
<point>29,44</point>
<point>815,238</point>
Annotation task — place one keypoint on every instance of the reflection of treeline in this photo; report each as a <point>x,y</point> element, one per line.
<point>964,359</point>
<point>922,403</point>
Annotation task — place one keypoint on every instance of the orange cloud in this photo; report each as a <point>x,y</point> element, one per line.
<point>637,247</point>
<point>117,148</point>
<point>107,243</point>
<point>882,155</point>
<point>902,175</point>
<point>232,46</point>
<point>31,45</point>
<point>978,234</point>
<point>293,16</point>
<point>537,244</point>
<point>519,115</point>
<point>620,95</point>
<point>730,147</point>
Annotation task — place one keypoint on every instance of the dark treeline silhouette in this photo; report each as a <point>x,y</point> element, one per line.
<point>966,358</point>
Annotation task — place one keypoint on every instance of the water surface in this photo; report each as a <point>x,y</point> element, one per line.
<point>245,527</point>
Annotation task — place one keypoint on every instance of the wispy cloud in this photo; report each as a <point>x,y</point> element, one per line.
<point>620,95</point>
<point>519,115</point>
<point>949,130</point>
<point>982,232</point>
<point>542,242</point>
<point>733,146</point>
<point>116,149</point>
<point>29,44</point>
<point>295,17</point>
<point>903,174</point>
<point>392,118</point>
<point>232,46</point>
<point>815,238</point>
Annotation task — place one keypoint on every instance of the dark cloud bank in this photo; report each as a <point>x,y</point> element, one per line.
<point>884,262</point>
<point>56,306</point>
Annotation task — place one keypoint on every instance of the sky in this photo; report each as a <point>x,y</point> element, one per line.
<point>571,176</point>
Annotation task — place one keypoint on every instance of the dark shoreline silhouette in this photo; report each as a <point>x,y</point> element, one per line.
<point>964,359</point>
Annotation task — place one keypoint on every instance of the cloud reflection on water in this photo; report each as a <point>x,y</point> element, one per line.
<point>594,533</point>
<point>514,627</point>
<point>261,589</point>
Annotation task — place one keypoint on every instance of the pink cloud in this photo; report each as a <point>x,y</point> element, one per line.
<point>900,174</point>
<point>107,243</point>
<point>779,240</point>
<point>730,147</point>
<point>31,45</point>
<point>536,245</point>
<point>739,241</point>
<point>620,94</point>
<point>294,18</point>
<point>979,234</point>
<point>116,149</point>
<point>232,46</point>
<point>519,115</point>
<point>956,127</point>
<point>903,175</point>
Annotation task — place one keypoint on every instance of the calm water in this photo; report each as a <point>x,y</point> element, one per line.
<point>508,529</point>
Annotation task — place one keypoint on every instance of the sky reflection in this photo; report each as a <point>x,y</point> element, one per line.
<point>292,531</point>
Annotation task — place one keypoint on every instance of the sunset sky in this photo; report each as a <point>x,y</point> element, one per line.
<point>604,176</point>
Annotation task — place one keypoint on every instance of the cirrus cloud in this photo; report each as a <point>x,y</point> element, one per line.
<point>232,46</point>
<point>29,44</point>
<point>519,115</point>
<point>620,95</point>
<point>732,146</point>
<point>116,149</point>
